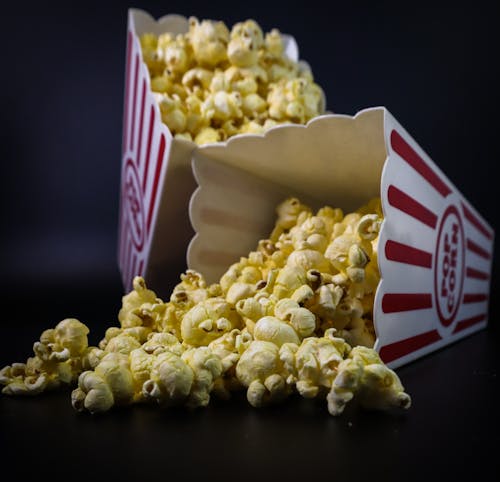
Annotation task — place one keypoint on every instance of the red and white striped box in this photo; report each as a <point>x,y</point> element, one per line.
<point>156,178</point>
<point>434,252</point>
<point>435,256</point>
<point>204,207</point>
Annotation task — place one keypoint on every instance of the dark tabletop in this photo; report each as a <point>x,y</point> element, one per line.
<point>452,427</point>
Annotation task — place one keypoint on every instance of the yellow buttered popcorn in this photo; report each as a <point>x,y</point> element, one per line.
<point>60,355</point>
<point>222,106</point>
<point>261,370</point>
<point>316,361</point>
<point>208,320</point>
<point>270,328</point>
<point>242,80</point>
<point>170,380</point>
<point>295,100</point>
<point>209,41</point>
<point>246,40</point>
<point>363,375</point>
<point>294,316</point>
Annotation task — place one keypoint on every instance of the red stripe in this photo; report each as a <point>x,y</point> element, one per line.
<point>141,266</point>
<point>476,222</point>
<point>148,149</point>
<point>134,100</point>
<point>475,248</point>
<point>127,86</point>
<point>159,163</point>
<point>462,325</point>
<point>474,297</point>
<point>410,206</point>
<point>396,302</point>
<point>142,122</point>
<point>403,253</point>
<point>401,348</point>
<point>475,273</point>
<point>414,160</point>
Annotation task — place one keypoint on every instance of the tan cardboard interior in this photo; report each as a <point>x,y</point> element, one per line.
<point>335,160</point>
<point>145,23</point>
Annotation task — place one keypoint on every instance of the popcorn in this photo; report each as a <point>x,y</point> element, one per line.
<point>274,44</point>
<point>228,348</point>
<point>209,41</point>
<point>131,313</point>
<point>208,320</point>
<point>207,135</point>
<point>197,79</point>
<point>246,41</point>
<point>295,315</point>
<point>270,328</point>
<point>253,104</point>
<point>301,319</point>
<point>111,383</point>
<point>364,375</point>
<point>212,83</point>
<point>206,367</point>
<point>222,106</point>
<point>263,373</point>
<point>316,362</point>
<point>93,394</point>
<point>60,356</point>
<point>369,226</point>
<point>288,280</point>
<point>176,55</point>
<point>170,380</point>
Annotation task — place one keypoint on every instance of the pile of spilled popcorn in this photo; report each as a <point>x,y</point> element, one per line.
<point>294,316</point>
<point>212,83</point>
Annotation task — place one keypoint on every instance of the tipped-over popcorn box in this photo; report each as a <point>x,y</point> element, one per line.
<point>203,207</point>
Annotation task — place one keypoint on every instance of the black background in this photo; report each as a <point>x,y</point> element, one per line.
<point>61,93</point>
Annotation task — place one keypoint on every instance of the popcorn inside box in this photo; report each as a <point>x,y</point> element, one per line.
<point>212,204</point>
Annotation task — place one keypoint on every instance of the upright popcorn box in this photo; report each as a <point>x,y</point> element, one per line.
<point>209,205</point>
<point>156,178</point>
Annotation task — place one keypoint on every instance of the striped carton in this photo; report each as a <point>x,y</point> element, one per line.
<point>155,165</point>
